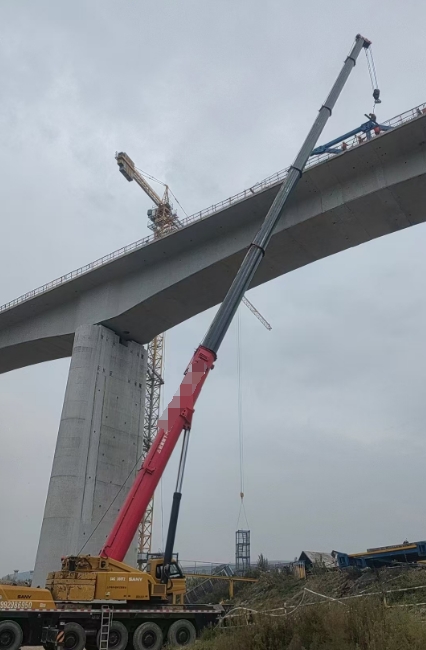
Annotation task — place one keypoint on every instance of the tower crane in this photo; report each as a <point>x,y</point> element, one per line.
<point>162,217</point>
<point>162,221</point>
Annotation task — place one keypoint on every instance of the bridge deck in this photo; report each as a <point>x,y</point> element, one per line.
<point>371,190</point>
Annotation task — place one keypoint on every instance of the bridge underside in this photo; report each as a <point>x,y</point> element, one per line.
<point>370,191</point>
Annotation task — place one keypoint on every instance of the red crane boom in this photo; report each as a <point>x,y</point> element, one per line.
<point>174,420</point>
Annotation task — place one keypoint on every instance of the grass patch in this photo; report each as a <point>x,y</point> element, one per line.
<point>364,624</point>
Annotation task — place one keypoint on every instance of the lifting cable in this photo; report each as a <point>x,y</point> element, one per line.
<point>373,76</point>
<point>240,421</point>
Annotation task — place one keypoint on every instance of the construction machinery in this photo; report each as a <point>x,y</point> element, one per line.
<point>376,558</point>
<point>100,600</point>
<point>365,129</point>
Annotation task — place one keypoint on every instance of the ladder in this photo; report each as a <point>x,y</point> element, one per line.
<point>106,619</point>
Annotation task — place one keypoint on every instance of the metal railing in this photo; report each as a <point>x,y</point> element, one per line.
<point>276,178</point>
<point>194,567</point>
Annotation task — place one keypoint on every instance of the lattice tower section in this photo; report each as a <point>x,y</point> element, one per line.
<point>163,221</point>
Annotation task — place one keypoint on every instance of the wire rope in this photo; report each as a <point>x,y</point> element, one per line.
<point>240,422</point>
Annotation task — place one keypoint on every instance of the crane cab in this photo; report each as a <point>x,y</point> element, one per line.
<point>176,583</point>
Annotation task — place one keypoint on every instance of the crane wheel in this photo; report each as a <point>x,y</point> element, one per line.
<point>148,636</point>
<point>75,637</point>
<point>118,636</point>
<point>11,635</point>
<point>181,633</point>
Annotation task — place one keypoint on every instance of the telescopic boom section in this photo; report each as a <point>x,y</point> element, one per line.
<point>178,415</point>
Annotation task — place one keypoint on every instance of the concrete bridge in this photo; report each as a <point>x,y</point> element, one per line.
<point>373,189</point>
<point>103,314</point>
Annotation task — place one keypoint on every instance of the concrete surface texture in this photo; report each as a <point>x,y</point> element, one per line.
<point>371,190</point>
<point>98,447</point>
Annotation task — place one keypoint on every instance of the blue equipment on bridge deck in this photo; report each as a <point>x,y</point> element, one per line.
<point>367,127</point>
<point>406,553</point>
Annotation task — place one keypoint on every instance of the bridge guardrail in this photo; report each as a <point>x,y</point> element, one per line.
<point>278,177</point>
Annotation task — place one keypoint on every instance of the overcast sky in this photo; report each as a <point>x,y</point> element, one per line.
<point>212,96</point>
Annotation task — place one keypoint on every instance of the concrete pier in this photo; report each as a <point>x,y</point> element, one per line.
<point>98,447</point>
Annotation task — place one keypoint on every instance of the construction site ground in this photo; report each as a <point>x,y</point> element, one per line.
<point>330,610</point>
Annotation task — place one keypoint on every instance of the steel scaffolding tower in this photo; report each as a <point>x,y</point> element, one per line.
<point>242,551</point>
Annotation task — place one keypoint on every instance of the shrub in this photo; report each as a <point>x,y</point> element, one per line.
<point>365,624</point>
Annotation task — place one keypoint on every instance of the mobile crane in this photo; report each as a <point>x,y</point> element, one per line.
<point>86,592</point>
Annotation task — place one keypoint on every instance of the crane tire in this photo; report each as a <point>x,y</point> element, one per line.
<point>75,637</point>
<point>118,636</point>
<point>181,633</point>
<point>11,635</point>
<point>148,636</point>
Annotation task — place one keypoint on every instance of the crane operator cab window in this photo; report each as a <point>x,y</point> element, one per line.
<point>174,571</point>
